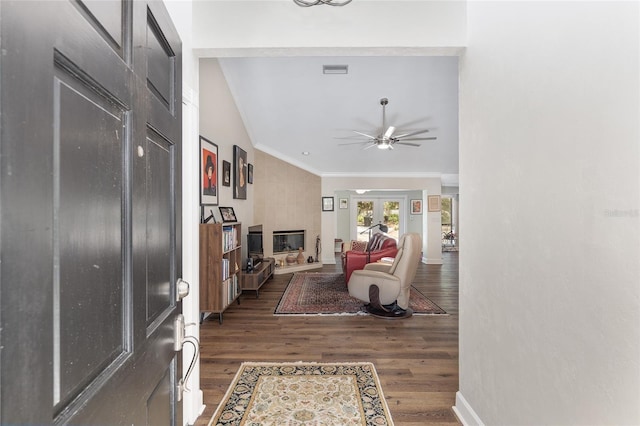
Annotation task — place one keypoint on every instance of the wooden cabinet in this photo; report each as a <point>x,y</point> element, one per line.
<point>220,263</point>
<point>263,271</point>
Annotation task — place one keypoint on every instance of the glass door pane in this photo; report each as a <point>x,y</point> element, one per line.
<point>378,210</point>
<point>391,218</point>
<point>364,219</point>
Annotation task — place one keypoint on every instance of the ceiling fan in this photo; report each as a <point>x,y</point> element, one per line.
<point>388,138</point>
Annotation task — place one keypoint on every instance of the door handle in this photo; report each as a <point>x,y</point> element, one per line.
<point>182,289</point>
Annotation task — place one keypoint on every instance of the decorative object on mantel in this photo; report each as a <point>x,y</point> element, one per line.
<point>307,3</point>
<point>310,259</point>
<point>300,256</point>
<point>291,259</point>
<point>318,248</point>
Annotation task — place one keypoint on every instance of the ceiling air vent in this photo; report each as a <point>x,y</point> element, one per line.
<point>335,69</point>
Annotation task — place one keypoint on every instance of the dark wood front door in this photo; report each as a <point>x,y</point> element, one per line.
<point>90,213</point>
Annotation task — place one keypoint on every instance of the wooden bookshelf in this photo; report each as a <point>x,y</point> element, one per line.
<point>220,262</point>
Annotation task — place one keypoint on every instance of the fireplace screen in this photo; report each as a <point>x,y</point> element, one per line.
<point>287,241</point>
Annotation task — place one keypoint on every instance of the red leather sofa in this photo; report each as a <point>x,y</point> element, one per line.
<point>354,258</point>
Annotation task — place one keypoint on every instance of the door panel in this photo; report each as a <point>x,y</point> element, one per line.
<point>88,189</point>
<point>160,62</point>
<point>107,18</point>
<point>159,402</point>
<point>159,217</point>
<point>90,202</point>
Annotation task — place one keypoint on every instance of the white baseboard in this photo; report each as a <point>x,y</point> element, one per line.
<point>465,413</point>
<point>193,407</point>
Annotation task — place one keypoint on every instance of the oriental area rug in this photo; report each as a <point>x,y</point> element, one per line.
<point>303,394</point>
<point>321,293</point>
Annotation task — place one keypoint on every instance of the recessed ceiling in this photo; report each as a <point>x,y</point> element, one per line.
<point>290,106</point>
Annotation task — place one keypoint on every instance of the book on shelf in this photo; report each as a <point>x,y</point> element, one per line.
<point>229,238</point>
<point>225,269</point>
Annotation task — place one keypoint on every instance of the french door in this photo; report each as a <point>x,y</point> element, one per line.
<point>369,211</point>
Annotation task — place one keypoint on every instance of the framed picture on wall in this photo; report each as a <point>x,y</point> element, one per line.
<point>250,173</point>
<point>226,173</point>
<point>209,172</point>
<point>344,203</point>
<point>327,204</point>
<point>433,203</point>
<point>416,206</point>
<point>239,173</point>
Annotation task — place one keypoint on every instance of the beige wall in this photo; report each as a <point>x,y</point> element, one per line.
<point>221,123</point>
<point>286,198</point>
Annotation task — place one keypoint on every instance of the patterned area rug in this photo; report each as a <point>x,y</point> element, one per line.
<point>300,394</point>
<point>321,293</point>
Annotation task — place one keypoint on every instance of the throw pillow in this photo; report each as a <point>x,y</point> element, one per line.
<point>359,245</point>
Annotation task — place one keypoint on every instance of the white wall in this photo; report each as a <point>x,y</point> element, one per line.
<point>181,15</point>
<point>246,28</point>
<point>549,179</point>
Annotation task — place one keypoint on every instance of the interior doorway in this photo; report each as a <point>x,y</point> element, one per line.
<point>369,211</point>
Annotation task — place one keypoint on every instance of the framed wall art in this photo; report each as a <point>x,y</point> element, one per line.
<point>226,173</point>
<point>344,203</point>
<point>327,204</point>
<point>239,173</point>
<point>433,203</point>
<point>416,206</point>
<point>250,173</point>
<point>209,172</point>
<point>227,214</point>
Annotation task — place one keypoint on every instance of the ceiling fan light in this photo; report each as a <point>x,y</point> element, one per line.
<point>384,145</point>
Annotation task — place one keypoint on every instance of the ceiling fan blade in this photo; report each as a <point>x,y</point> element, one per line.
<point>358,138</point>
<point>354,143</point>
<point>370,146</point>
<point>410,144</point>
<point>389,132</point>
<point>417,132</point>
<point>364,134</point>
<point>432,138</point>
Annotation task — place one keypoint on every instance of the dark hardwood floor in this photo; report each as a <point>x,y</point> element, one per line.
<point>416,358</point>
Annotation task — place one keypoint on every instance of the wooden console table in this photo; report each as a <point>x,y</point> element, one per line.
<point>255,279</point>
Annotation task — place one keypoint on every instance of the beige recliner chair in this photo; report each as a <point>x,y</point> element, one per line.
<point>386,287</point>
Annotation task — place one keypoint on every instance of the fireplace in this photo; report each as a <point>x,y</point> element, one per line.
<point>287,241</point>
